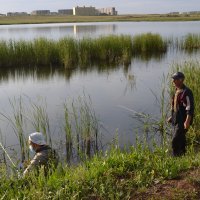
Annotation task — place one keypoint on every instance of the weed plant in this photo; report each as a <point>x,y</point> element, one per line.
<point>148,45</point>
<point>82,129</point>
<point>72,53</point>
<point>191,42</point>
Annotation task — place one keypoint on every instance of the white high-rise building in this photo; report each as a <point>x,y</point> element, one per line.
<point>107,11</point>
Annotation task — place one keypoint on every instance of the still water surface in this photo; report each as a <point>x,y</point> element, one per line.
<point>134,87</point>
<point>79,30</point>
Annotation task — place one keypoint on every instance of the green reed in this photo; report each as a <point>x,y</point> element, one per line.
<point>72,53</point>
<point>148,45</point>
<point>81,128</point>
<point>40,121</point>
<point>21,52</point>
<point>68,52</point>
<point>24,117</point>
<point>191,42</point>
<point>4,54</point>
<point>45,52</point>
<point>3,151</point>
<point>68,134</point>
<point>17,122</point>
<point>86,53</point>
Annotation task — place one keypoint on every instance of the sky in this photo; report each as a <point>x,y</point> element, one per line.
<point>123,6</point>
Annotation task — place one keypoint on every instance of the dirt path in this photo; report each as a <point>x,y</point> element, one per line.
<point>185,187</point>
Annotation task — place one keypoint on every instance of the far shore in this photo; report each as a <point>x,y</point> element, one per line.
<point>5,20</point>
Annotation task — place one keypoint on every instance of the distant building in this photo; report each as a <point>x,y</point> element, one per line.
<point>107,11</point>
<point>85,11</point>
<point>174,13</point>
<point>65,12</point>
<point>191,13</point>
<point>194,12</point>
<point>53,13</point>
<point>41,12</point>
<point>185,13</point>
<point>1,15</point>
<point>17,14</point>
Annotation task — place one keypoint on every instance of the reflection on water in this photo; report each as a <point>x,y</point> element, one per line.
<point>79,30</point>
<point>46,73</point>
<point>92,29</point>
<point>49,72</point>
<point>55,32</point>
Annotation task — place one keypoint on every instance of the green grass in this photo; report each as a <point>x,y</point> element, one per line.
<point>82,130</point>
<point>71,19</point>
<point>149,45</point>
<point>71,53</point>
<point>85,53</point>
<point>191,42</point>
<point>115,175</point>
<point>16,121</point>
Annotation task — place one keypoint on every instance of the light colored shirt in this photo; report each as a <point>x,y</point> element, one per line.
<point>44,157</point>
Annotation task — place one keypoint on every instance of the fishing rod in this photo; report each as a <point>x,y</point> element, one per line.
<point>167,129</point>
<point>139,114</point>
<point>3,148</point>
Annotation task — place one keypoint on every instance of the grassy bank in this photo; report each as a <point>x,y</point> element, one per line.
<point>116,175</point>
<point>71,19</point>
<point>72,53</point>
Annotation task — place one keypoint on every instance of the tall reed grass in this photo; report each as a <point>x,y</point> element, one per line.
<point>82,129</point>
<point>80,137</point>
<point>148,45</point>
<point>17,123</point>
<point>40,121</point>
<point>72,53</point>
<point>190,43</point>
<point>87,52</point>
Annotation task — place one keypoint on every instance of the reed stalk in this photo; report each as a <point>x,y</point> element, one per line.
<point>68,135</point>
<point>191,42</point>
<point>41,122</point>
<point>71,53</point>
<point>81,128</point>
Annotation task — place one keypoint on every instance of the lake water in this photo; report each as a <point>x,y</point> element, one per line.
<point>111,91</point>
<point>79,30</point>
